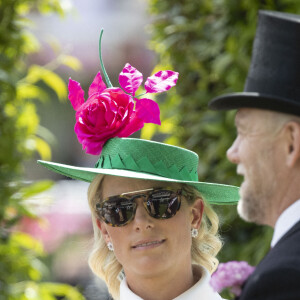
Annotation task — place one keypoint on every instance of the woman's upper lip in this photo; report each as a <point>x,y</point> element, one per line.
<point>145,242</point>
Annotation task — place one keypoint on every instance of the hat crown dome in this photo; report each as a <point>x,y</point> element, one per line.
<point>275,64</point>
<point>149,157</point>
<point>273,78</point>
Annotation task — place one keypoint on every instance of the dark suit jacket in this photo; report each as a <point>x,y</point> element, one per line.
<point>277,277</point>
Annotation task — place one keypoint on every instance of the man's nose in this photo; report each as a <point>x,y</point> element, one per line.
<point>233,152</point>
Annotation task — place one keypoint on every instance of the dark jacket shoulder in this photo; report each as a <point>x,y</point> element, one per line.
<point>277,277</point>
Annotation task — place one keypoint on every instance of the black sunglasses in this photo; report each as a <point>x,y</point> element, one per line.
<point>119,210</point>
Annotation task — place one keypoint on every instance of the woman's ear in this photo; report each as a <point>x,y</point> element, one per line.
<point>103,230</point>
<point>197,213</point>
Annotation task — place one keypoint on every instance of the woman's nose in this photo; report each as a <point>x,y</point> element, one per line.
<point>142,220</point>
<point>233,152</point>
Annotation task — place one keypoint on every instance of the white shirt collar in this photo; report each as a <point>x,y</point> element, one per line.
<point>286,221</point>
<point>200,290</point>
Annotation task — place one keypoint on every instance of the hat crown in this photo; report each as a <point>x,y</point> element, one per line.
<point>275,64</point>
<point>149,157</point>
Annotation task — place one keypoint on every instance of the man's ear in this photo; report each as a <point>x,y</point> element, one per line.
<point>293,143</point>
<point>103,230</point>
<point>197,213</point>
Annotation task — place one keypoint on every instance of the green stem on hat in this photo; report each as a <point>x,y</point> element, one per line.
<point>108,83</point>
<point>141,95</point>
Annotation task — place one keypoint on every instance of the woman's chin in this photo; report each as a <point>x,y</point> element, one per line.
<point>148,266</point>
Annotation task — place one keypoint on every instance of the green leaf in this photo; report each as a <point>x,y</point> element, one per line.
<point>28,118</point>
<point>36,73</point>
<point>36,188</point>
<point>61,290</point>
<point>25,241</point>
<point>42,148</point>
<point>148,131</point>
<point>56,83</point>
<point>29,91</point>
<point>31,43</point>
<point>71,61</point>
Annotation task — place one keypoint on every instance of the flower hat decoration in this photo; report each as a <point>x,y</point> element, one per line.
<point>111,114</point>
<point>116,112</point>
<point>230,277</point>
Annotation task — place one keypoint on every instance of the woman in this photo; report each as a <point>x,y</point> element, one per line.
<point>156,236</point>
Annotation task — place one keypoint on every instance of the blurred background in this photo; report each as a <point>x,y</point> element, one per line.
<point>46,231</point>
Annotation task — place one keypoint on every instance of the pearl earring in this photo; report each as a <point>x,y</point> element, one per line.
<point>194,232</point>
<point>110,246</point>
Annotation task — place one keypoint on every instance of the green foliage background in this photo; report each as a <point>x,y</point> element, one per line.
<point>21,266</point>
<point>209,43</point>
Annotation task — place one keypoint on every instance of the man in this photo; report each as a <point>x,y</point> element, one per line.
<point>267,152</point>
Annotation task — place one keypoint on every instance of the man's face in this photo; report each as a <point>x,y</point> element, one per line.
<point>257,158</point>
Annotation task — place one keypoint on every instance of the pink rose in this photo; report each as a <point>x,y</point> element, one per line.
<point>107,113</point>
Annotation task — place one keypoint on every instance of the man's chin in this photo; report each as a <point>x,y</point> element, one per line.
<point>249,213</point>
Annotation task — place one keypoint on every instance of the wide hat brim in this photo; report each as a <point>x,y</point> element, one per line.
<point>213,193</point>
<point>255,100</point>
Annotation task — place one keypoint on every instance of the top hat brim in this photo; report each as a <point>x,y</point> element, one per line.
<point>213,193</point>
<point>255,100</point>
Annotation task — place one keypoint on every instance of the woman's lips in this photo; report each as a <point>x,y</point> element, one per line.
<point>148,244</point>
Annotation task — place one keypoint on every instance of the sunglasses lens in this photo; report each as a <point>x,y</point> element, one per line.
<point>163,204</point>
<point>116,211</point>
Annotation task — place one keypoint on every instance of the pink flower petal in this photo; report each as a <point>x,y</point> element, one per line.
<point>135,124</point>
<point>161,81</point>
<point>130,79</point>
<point>97,85</point>
<point>76,94</point>
<point>148,111</point>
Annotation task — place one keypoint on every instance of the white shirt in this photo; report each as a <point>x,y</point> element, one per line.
<point>286,221</point>
<point>200,290</point>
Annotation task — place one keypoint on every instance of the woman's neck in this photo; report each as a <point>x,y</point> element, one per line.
<point>164,286</point>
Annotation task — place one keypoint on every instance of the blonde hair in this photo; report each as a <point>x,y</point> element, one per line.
<point>203,251</point>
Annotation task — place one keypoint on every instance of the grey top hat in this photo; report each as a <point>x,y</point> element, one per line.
<point>273,81</point>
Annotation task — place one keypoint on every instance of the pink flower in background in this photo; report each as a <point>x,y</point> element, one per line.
<point>53,229</point>
<point>113,112</point>
<point>231,275</point>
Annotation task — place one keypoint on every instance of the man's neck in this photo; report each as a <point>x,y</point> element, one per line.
<point>285,197</point>
<point>286,221</point>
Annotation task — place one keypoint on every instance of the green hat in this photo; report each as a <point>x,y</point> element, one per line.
<point>143,159</point>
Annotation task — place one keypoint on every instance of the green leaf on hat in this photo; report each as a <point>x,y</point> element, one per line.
<point>162,170</point>
<point>130,163</point>
<point>146,166</point>
<point>106,162</point>
<point>117,162</point>
<point>184,173</point>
